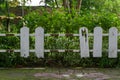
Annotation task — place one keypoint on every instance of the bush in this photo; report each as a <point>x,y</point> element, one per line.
<point>58,21</point>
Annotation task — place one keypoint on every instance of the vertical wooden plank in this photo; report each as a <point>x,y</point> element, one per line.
<point>113,33</point>
<point>97,44</point>
<point>39,42</point>
<point>24,42</point>
<point>84,46</point>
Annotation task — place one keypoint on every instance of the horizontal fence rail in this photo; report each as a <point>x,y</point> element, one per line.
<point>83,35</point>
<point>55,34</point>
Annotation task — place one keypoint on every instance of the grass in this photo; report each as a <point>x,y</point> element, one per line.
<point>29,74</point>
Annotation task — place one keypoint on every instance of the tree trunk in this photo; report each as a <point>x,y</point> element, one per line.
<point>71,4</point>
<point>68,4</point>
<point>65,3</point>
<point>79,2</point>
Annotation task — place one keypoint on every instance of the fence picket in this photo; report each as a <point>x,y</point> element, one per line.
<point>97,45</point>
<point>84,46</point>
<point>39,42</point>
<point>113,33</point>
<point>24,42</point>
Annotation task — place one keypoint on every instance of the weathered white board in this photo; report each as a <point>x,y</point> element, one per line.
<point>24,42</point>
<point>113,33</point>
<point>84,46</point>
<point>97,44</point>
<point>39,42</point>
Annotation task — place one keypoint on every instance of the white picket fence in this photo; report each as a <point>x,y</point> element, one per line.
<point>83,38</point>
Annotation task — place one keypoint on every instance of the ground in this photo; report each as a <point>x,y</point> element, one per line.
<point>77,73</point>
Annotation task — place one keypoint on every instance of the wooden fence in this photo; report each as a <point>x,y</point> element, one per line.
<point>83,39</point>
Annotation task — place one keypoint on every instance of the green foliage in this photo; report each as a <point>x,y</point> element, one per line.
<point>60,21</point>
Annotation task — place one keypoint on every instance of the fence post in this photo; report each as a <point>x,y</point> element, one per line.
<point>39,42</point>
<point>97,44</point>
<point>113,33</point>
<point>84,46</point>
<point>24,42</point>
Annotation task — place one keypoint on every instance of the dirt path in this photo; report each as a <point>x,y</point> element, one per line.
<point>82,74</point>
<point>60,74</point>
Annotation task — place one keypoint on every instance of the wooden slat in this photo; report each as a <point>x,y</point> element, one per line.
<point>39,42</point>
<point>24,41</point>
<point>113,33</point>
<point>84,46</point>
<point>97,45</point>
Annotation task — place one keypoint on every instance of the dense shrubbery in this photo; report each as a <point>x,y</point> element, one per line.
<point>59,21</point>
